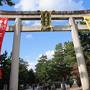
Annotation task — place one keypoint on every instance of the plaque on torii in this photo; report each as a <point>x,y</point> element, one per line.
<point>46,21</point>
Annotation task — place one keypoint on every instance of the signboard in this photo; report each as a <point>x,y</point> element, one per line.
<point>87,20</point>
<point>3,26</point>
<point>45,20</point>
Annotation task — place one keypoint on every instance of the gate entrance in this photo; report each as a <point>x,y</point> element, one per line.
<point>71,16</point>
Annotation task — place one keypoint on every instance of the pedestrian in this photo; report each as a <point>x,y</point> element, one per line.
<point>53,87</point>
<point>63,86</point>
<point>33,86</point>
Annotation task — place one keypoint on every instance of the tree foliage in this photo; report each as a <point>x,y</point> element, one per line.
<point>25,76</point>
<point>69,53</point>
<point>5,63</point>
<point>23,72</point>
<point>55,69</point>
<point>31,77</point>
<point>41,71</point>
<point>85,41</point>
<point>8,2</point>
<point>61,65</point>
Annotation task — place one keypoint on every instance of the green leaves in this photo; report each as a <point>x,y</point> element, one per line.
<point>85,41</point>
<point>55,69</point>
<point>8,2</point>
<point>69,53</point>
<point>41,69</point>
<point>25,75</point>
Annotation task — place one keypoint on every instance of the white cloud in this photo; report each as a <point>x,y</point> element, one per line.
<point>39,56</point>
<point>31,65</point>
<point>26,5</point>
<point>60,5</point>
<point>28,36</point>
<point>49,54</point>
<point>30,5</point>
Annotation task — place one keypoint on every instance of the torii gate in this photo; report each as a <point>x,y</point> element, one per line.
<point>18,16</point>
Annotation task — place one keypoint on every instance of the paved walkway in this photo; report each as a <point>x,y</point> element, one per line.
<point>75,89</point>
<point>60,89</point>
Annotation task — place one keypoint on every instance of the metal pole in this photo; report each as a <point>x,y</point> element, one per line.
<point>79,55</point>
<point>15,57</point>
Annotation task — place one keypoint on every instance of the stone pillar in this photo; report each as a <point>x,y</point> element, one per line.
<point>15,57</point>
<point>79,55</point>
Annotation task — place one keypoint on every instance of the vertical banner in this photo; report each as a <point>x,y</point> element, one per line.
<point>87,20</point>
<point>45,21</point>
<point>3,27</point>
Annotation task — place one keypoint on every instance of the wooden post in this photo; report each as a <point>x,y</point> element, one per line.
<point>15,57</point>
<point>79,55</point>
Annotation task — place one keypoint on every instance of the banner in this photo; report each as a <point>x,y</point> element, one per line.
<point>87,20</point>
<point>3,26</point>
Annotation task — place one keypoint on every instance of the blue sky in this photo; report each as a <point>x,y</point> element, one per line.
<point>33,44</point>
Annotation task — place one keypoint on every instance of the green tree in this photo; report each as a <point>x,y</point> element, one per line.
<point>85,41</point>
<point>41,70</point>
<point>31,77</point>
<point>60,66</point>
<point>69,53</point>
<point>23,72</point>
<point>55,69</point>
<point>59,52</point>
<point>5,65</point>
<point>62,69</point>
<point>55,63</point>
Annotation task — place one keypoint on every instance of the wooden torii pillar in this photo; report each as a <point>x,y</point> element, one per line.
<point>15,57</point>
<point>79,55</point>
